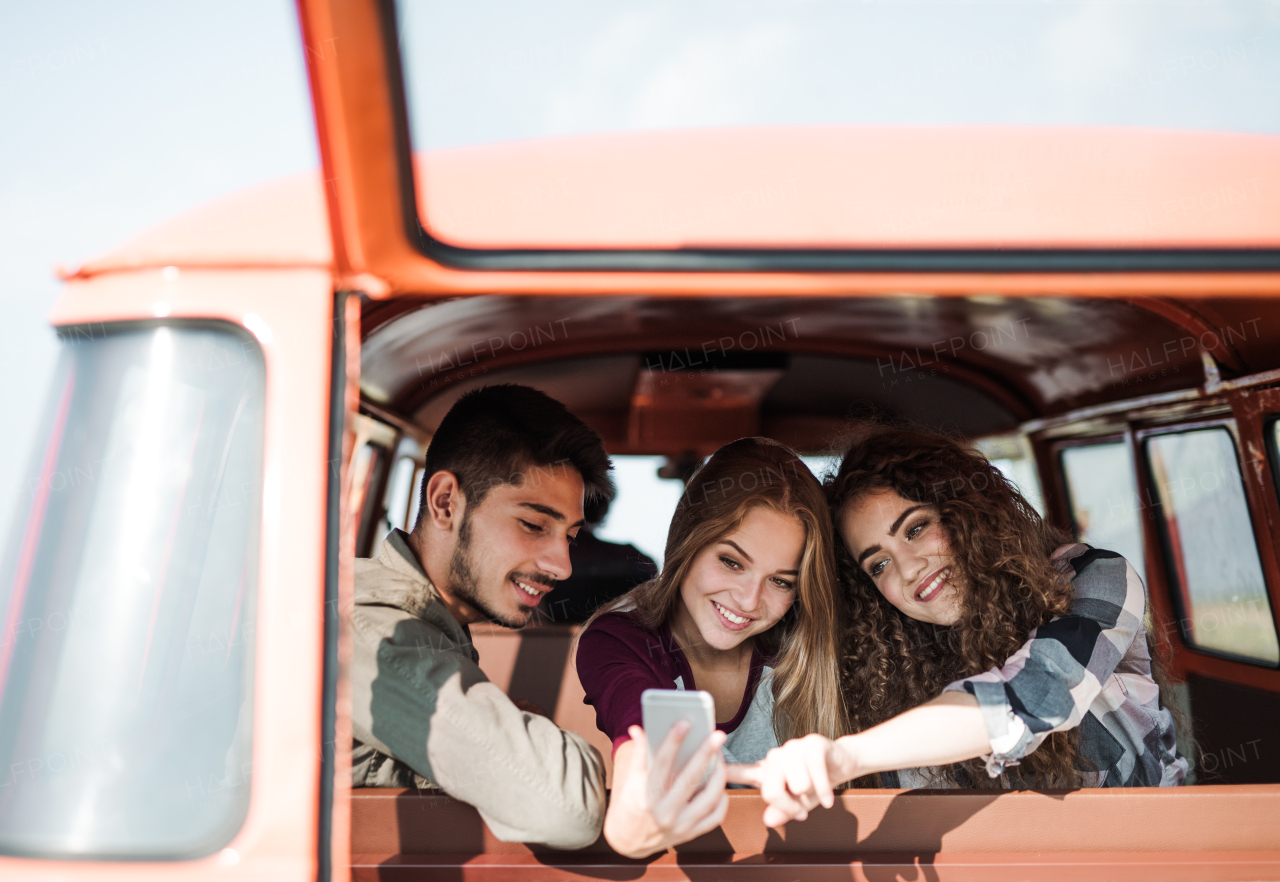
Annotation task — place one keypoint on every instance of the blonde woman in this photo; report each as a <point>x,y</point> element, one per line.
<point>745,608</point>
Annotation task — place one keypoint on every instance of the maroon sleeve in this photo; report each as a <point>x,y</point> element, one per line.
<point>617,661</point>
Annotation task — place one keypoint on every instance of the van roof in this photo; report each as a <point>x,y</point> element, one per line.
<point>281,223</point>
<point>786,186</point>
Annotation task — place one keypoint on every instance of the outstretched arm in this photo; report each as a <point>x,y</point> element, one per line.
<point>1055,676</point>
<point>947,730</point>
<point>800,775</point>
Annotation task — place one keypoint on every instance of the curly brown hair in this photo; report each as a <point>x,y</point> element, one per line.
<point>1001,547</point>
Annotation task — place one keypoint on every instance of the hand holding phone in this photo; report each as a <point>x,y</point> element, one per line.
<point>653,806</point>
<point>662,708</point>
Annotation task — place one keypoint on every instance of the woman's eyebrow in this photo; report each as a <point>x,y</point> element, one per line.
<point>902,517</point>
<point>738,548</point>
<point>893,528</point>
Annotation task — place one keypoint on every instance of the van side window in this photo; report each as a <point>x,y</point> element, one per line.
<point>403,492</point>
<point>1105,508</point>
<point>1272,435</point>
<point>400,492</point>
<point>1210,546</point>
<point>368,464</point>
<point>129,597</point>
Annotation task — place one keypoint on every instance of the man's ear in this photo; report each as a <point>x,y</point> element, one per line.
<point>445,502</point>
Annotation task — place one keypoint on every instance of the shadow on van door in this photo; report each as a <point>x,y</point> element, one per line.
<point>909,836</point>
<point>900,847</point>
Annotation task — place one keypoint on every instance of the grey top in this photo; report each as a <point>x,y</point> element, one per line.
<point>754,736</point>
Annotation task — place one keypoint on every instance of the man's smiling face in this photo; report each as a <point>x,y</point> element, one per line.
<point>514,546</point>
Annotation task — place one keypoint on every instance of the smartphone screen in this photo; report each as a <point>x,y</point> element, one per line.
<point>664,707</point>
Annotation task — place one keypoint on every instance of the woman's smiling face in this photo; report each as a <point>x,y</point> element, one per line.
<point>742,585</point>
<point>904,548</point>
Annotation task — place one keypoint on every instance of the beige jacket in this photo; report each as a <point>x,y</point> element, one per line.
<point>425,715</point>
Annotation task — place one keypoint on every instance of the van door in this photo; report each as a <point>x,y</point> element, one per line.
<point>169,593</point>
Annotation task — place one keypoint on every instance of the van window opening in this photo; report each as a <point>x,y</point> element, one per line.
<point>573,68</point>
<point>730,113</point>
<point>641,512</point>
<point>1105,506</point>
<point>1210,544</point>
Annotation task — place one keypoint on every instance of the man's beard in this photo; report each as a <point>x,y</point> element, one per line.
<point>464,585</point>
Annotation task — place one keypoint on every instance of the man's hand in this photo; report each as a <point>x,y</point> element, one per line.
<point>796,777</point>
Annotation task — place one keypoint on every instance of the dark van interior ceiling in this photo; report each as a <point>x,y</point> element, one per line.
<point>668,374</point>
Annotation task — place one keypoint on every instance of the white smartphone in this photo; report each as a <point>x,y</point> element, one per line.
<point>664,707</point>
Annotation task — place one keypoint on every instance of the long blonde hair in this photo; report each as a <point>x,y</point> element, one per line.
<point>805,643</point>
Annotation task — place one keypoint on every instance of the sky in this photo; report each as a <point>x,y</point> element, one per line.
<point>485,70</point>
<point>113,118</point>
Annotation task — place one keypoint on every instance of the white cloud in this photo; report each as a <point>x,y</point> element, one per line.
<point>712,80</point>
<point>1092,46</point>
<point>642,72</point>
<point>626,42</point>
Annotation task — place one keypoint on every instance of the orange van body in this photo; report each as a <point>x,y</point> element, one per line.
<point>316,267</point>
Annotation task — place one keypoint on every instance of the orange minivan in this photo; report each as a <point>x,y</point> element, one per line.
<point>1051,228</point>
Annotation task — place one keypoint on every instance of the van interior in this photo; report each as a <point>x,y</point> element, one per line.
<point>1143,425</point>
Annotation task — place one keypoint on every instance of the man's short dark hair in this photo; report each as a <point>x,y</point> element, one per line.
<point>493,435</point>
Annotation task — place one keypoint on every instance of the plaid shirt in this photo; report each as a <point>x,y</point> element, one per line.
<point>1089,668</point>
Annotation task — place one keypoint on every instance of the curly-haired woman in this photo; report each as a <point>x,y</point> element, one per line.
<point>982,649</point>
<point>746,607</point>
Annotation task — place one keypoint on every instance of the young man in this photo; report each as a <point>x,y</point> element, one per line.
<point>502,496</point>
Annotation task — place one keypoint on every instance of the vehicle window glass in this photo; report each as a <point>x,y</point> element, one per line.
<point>642,509</point>
<point>822,466</point>
<point>645,503</point>
<point>128,595</point>
<point>1011,453</point>
<point>494,73</point>
<point>399,489</point>
<point>569,67</point>
<point>415,496</point>
<point>1275,451</point>
<point>1105,509</point>
<point>1210,544</point>
<point>1022,472</point>
<point>363,469</point>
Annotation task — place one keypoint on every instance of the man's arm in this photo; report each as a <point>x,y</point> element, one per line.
<point>531,780</point>
<point>434,709</point>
